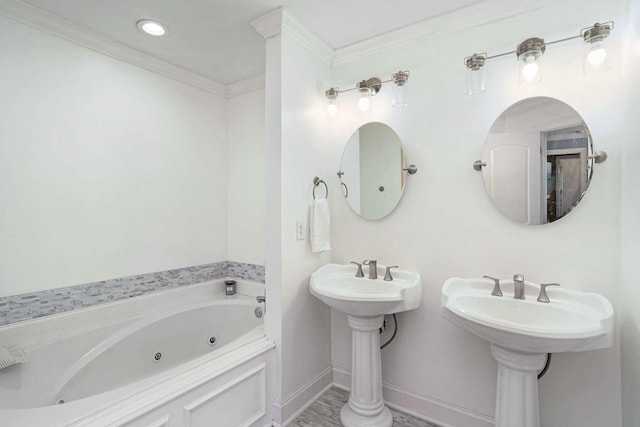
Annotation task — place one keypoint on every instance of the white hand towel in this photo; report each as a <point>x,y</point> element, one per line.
<point>320,226</point>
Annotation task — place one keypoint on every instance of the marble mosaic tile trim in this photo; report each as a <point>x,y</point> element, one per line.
<point>240,270</point>
<point>16,308</point>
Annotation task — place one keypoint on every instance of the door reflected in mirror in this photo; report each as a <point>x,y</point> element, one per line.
<point>371,172</point>
<point>537,160</point>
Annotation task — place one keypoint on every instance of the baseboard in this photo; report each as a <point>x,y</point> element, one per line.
<point>442,413</point>
<point>301,399</point>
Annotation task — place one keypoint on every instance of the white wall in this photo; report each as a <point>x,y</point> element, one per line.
<point>305,152</point>
<point>106,170</point>
<point>246,163</point>
<point>446,225</point>
<point>298,147</point>
<point>630,226</point>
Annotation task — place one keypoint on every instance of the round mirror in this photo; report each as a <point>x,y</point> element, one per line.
<point>372,170</point>
<point>537,160</point>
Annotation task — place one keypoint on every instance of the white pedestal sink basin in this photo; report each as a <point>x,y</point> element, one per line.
<point>522,332</point>
<point>365,301</point>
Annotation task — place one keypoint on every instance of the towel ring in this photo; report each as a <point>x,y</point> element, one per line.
<point>345,191</point>
<point>316,182</point>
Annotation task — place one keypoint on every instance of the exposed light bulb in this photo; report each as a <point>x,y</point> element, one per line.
<point>152,28</point>
<point>530,69</point>
<point>597,54</point>
<point>364,103</point>
<point>332,108</point>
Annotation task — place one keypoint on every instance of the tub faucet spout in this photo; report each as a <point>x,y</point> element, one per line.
<point>518,286</point>
<point>260,298</point>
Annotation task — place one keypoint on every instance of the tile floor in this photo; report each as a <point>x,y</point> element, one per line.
<point>325,412</point>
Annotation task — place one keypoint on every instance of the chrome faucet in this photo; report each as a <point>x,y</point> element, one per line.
<point>373,268</point>
<point>261,298</point>
<point>518,286</point>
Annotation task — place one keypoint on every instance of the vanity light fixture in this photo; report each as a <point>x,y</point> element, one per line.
<point>400,80</point>
<point>531,50</point>
<point>529,53</point>
<point>595,48</point>
<point>332,107</point>
<point>476,76</point>
<point>369,88</point>
<point>153,28</point>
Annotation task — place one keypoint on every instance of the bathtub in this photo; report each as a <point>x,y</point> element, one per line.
<point>180,357</point>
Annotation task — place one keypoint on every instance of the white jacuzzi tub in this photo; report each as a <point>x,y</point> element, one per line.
<point>116,363</point>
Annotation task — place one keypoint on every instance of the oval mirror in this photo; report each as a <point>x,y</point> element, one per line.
<point>537,160</point>
<point>372,170</point>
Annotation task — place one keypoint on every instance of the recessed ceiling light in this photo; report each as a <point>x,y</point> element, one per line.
<point>153,28</point>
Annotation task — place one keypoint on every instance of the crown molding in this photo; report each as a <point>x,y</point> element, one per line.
<point>306,38</point>
<point>278,21</point>
<point>245,86</point>
<point>268,25</point>
<point>72,32</point>
<point>465,18</point>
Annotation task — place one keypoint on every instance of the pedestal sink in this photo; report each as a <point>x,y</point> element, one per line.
<point>365,302</point>
<point>522,332</point>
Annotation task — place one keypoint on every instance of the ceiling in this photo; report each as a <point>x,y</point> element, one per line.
<point>213,38</point>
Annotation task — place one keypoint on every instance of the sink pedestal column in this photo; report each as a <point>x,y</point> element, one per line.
<point>517,391</point>
<point>365,407</point>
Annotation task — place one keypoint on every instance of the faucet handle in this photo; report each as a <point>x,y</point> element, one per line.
<point>359,273</point>
<point>387,274</point>
<point>543,297</point>
<point>497,292</point>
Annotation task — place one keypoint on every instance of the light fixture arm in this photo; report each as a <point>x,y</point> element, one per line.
<point>563,40</point>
